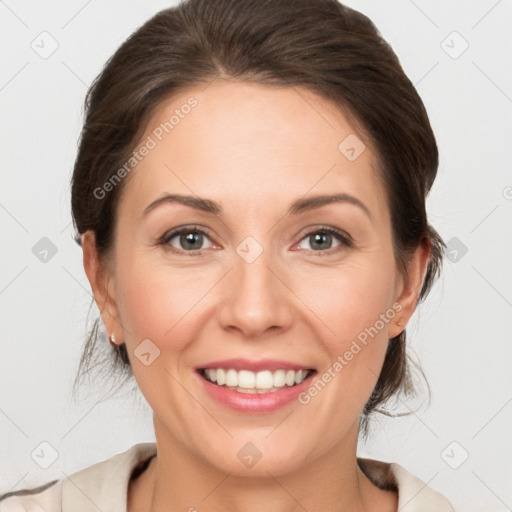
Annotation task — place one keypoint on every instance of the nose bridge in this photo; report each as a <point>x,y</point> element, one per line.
<point>255,299</point>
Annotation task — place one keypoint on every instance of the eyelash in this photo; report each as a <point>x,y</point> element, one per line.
<point>342,237</point>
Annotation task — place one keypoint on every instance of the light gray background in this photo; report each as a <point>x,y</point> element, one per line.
<point>461,334</point>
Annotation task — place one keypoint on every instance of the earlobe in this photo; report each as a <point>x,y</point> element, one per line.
<point>100,281</point>
<point>411,286</point>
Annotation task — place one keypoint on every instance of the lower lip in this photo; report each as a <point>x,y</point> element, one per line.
<point>255,402</point>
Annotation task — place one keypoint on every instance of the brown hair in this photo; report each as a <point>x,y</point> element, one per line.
<point>321,45</point>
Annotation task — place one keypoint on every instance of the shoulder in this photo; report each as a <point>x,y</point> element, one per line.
<point>414,495</point>
<point>105,483</point>
<point>46,497</point>
<point>95,487</point>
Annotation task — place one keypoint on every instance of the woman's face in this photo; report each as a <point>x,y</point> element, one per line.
<point>263,279</point>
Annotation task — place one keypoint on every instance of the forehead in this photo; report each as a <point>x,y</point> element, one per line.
<point>252,144</point>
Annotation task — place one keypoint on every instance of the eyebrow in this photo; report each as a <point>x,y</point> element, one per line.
<point>298,206</point>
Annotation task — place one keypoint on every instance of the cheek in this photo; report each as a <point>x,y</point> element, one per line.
<point>354,313</point>
<point>350,301</point>
<point>158,302</point>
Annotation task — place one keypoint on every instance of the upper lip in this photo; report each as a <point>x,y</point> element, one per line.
<point>255,366</point>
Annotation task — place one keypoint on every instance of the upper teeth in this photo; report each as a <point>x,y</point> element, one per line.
<point>255,380</point>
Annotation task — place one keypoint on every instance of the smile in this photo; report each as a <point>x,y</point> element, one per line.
<point>247,381</point>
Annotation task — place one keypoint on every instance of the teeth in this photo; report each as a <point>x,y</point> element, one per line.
<point>220,376</point>
<point>264,380</point>
<point>279,378</point>
<point>231,378</point>
<point>246,381</point>
<point>290,378</point>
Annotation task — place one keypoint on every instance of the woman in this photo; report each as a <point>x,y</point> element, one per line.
<point>249,194</point>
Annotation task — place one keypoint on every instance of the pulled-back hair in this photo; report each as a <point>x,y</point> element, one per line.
<point>321,45</point>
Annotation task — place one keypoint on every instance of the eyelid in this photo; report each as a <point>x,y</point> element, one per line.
<point>343,237</point>
<point>172,233</point>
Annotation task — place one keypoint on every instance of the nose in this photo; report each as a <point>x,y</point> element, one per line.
<point>255,300</point>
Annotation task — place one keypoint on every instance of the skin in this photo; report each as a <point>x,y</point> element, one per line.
<point>254,149</point>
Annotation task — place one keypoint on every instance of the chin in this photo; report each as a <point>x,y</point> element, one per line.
<point>259,456</point>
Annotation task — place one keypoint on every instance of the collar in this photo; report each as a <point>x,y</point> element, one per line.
<point>104,485</point>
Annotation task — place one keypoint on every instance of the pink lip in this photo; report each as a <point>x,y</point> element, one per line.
<point>255,366</point>
<point>257,402</point>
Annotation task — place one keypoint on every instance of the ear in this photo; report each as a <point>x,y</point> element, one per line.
<point>409,287</point>
<point>100,279</point>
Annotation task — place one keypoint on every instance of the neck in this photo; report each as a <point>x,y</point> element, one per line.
<point>180,480</point>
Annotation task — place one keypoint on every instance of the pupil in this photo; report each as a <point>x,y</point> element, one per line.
<point>189,239</point>
<point>318,239</point>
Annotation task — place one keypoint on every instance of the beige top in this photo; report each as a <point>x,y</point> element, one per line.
<point>104,486</point>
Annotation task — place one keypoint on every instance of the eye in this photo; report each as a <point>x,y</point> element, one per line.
<point>188,239</point>
<point>191,240</point>
<point>324,239</point>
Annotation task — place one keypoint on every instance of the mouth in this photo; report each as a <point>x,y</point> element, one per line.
<point>255,382</point>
